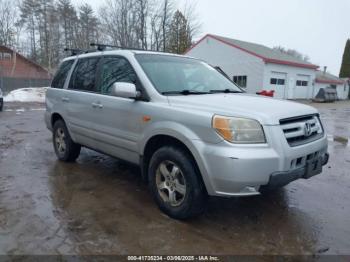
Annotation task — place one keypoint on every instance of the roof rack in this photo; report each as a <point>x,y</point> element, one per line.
<point>75,51</point>
<point>103,47</point>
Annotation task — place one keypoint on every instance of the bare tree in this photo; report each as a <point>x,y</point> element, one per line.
<point>54,24</point>
<point>28,11</point>
<point>293,53</point>
<point>193,23</point>
<point>166,17</point>
<point>141,12</point>
<point>119,20</point>
<point>8,20</point>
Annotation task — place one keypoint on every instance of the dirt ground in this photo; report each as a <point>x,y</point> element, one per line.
<point>99,205</point>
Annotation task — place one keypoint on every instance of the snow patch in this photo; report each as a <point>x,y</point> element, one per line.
<point>30,94</point>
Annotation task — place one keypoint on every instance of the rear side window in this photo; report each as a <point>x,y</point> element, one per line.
<point>115,69</point>
<point>61,75</point>
<point>84,75</point>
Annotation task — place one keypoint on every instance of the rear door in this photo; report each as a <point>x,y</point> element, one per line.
<point>80,101</point>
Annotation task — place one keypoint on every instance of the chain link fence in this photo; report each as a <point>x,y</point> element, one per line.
<point>8,84</point>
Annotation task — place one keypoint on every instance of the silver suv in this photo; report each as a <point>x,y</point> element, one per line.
<point>191,130</point>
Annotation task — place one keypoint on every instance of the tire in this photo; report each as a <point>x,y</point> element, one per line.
<point>1,105</point>
<point>65,148</point>
<point>175,183</point>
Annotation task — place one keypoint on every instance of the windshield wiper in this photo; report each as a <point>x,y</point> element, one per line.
<point>185,92</point>
<point>225,91</point>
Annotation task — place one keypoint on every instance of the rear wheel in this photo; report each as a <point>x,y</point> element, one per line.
<point>65,148</point>
<point>175,183</point>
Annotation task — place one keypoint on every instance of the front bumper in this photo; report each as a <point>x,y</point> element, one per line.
<point>243,170</point>
<point>312,168</point>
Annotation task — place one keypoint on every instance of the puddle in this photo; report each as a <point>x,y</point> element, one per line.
<point>340,139</point>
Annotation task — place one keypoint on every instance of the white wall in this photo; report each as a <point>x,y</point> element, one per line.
<point>232,60</point>
<point>293,74</point>
<point>343,93</point>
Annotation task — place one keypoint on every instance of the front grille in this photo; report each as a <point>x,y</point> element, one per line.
<point>295,131</point>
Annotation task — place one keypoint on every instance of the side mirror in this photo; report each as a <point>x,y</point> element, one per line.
<point>125,90</point>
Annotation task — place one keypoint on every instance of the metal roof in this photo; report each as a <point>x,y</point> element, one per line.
<point>269,55</point>
<point>327,78</point>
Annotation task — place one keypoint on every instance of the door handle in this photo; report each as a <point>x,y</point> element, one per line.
<point>97,105</point>
<point>65,99</point>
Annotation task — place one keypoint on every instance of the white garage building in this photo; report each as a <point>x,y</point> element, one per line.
<point>256,67</point>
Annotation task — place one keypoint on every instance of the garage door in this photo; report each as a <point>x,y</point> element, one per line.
<point>278,83</point>
<point>302,86</point>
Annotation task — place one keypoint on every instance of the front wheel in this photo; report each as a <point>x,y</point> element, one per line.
<point>175,183</point>
<point>65,148</point>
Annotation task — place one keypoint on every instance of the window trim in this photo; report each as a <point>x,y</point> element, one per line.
<point>277,81</point>
<point>242,77</point>
<point>144,95</point>
<point>67,75</point>
<point>302,83</point>
<point>75,66</point>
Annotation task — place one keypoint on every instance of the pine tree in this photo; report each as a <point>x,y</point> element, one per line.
<point>345,67</point>
<point>180,38</point>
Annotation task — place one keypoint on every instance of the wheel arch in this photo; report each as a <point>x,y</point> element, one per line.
<point>159,140</point>
<point>55,117</point>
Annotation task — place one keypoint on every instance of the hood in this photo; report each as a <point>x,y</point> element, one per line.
<point>268,111</point>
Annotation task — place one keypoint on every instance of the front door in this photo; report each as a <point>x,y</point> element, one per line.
<point>117,120</point>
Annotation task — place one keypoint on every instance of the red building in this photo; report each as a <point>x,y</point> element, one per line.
<point>16,71</point>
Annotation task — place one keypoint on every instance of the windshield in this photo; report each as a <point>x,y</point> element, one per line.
<point>181,75</point>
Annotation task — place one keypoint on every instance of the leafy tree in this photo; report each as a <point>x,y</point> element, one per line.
<point>345,66</point>
<point>180,37</point>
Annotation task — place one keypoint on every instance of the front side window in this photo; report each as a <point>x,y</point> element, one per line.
<point>240,81</point>
<point>84,75</point>
<point>61,75</point>
<point>174,74</point>
<point>115,69</point>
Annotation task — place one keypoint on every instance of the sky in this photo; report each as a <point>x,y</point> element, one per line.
<point>317,28</point>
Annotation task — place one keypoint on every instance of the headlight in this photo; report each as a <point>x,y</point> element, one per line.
<point>239,130</point>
